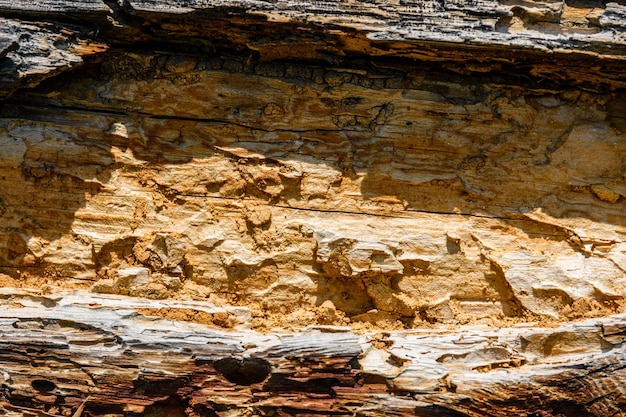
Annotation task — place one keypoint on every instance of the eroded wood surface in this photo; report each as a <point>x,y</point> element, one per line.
<point>377,208</point>
<point>63,350</point>
<point>457,31</point>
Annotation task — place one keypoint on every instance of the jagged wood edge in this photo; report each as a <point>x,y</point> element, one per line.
<point>453,30</point>
<point>64,351</point>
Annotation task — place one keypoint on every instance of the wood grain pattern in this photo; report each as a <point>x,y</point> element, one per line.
<point>311,208</point>
<point>76,351</point>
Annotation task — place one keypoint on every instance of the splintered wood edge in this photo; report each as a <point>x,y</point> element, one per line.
<point>454,31</point>
<point>121,357</point>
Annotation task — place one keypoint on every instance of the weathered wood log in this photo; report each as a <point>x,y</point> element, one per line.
<point>364,208</point>
<point>479,31</point>
<point>66,351</point>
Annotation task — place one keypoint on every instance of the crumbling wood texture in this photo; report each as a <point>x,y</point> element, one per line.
<point>60,352</point>
<point>359,208</point>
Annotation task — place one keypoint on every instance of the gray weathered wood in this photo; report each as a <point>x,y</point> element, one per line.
<point>431,29</point>
<point>61,351</point>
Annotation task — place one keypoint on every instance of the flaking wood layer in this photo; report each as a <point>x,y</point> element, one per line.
<point>295,208</point>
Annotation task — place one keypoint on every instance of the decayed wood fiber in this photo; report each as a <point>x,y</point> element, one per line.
<point>312,208</point>
<point>72,350</point>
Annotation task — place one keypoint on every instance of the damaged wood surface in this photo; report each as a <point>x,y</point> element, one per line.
<point>363,208</point>
<point>587,26</point>
<point>33,52</point>
<point>66,352</point>
<point>481,35</point>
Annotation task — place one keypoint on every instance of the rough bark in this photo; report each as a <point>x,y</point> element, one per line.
<point>313,208</point>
